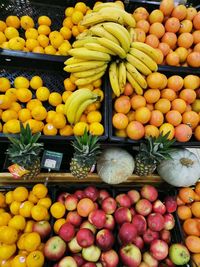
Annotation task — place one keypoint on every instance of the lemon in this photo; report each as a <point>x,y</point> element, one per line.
<point>64,48</point>
<point>18,222</point>
<point>6,251</point>
<point>24,115</point>
<point>5,102</point>
<point>11,32</point>
<point>69,85</point>
<point>16,43</point>
<point>25,209</point>
<point>24,95</point>
<point>11,93</point>
<point>21,82</point>
<point>4,218</point>
<point>4,45</point>
<point>33,103</point>
<point>94,116</point>
<point>8,235</point>
<point>96,128</point>
<point>65,95</point>
<point>77,16</point>
<point>2,38</point>
<point>50,115</point>
<point>13,126</point>
<point>43,40</point>
<point>4,84</point>
<point>39,212</point>
<point>9,114</point>
<point>49,129</point>
<point>38,49</point>
<point>15,106</point>
<point>66,131</point>
<point>31,33</point>
<point>39,113</point>
<point>42,93</point>
<point>2,25</point>
<point>46,202</point>
<point>67,22</point>
<point>9,197</point>
<point>18,261</point>
<point>32,241</point>
<point>55,99</point>
<point>66,33</point>
<point>31,44</point>
<point>50,50</point>
<point>56,39</point>
<point>81,6</point>
<point>44,20</point>
<point>69,11</point>
<point>27,22</point>
<point>60,108</point>
<point>80,127</point>
<point>59,120</point>
<point>36,126</point>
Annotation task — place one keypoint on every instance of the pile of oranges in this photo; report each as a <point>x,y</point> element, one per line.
<point>18,104</point>
<point>168,105</point>
<point>19,209</point>
<point>188,210</point>
<point>173,30</point>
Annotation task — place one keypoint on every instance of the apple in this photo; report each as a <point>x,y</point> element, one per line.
<point>149,236</point>
<point>127,233</point>
<point>140,223</point>
<point>43,228</point>
<point>169,263</point>
<point>85,237</point>
<point>122,215</point>
<point>88,225</point>
<point>155,222</point>
<point>159,249</point>
<point>134,196</point>
<point>67,231</point>
<point>74,246</point>
<point>170,203</point>
<point>67,261</point>
<point>54,248</point>
<point>130,255</point>
<point>123,200</point>
<point>96,206</point>
<point>109,205</point>
<point>89,264</point>
<point>105,239</point>
<point>159,207</point>
<point>79,259</point>
<point>91,253</point>
<point>79,194</point>
<point>61,197</point>
<point>132,211</point>
<point>74,218</point>
<point>103,194</point>
<point>143,207</point>
<point>165,235</point>
<point>143,264</point>
<point>150,260</point>
<point>110,222</point>
<point>149,192</point>
<point>169,221</point>
<point>91,192</point>
<point>109,258</point>
<point>97,218</point>
<point>179,254</point>
<point>98,264</point>
<point>138,241</point>
<point>71,202</point>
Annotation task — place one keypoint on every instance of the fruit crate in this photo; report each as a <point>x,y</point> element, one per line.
<point>168,71</point>
<point>53,77</point>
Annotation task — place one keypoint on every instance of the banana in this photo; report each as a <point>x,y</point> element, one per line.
<point>112,46</point>
<point>148,61</point>
<point>103,5</point>
<point>90,79</point>
<point>82,42</point>
<point>83,35</point>
<point>87,54</point>
<point>78,97</point>
<point>82,66</point>
<point>86,73</point>
<point>82,108</point>
<point>133,34</point>
<point>100,48</point>
<point>120,33</point>
<point>99,31</point>
<point>122,76</point>
<point>138,64</point>
<point>147,49</point>
<point>73,60</point>
<point>136,75</point>
<point>135,85</point>
<point>113,76</point>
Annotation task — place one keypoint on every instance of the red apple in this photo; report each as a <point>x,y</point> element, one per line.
<point>149,192</point>
<point>123,200</point>
<point>74,218</point>
<point>122,215</point>
<point>73,246</point>
<point>159,207</point>
<point>85,237</point>
<point>109,205</point>
<point>150,260</point>
<point>127,233</point>
<point>169,221</point>
<point>103,194</point>
<point>54,248</point>
<point>79,259</point>
<point>67,261</point>
<point>67,231</point>
<point>110,222</point>
<point>91,253</point>
<point>43,228</point>
<point>169,263</point>
<point>88,225</point>
<point>140,223</point>
<point>149,236</point>
<point>132,211</point>
<point>109,258</point>
<point>159,249</point>
<point>143,207</point>
<point>155,222</point>
<point>71,202</point>
<point>165,235</point>
<point>96,206</point>
<point>62,196</point>
<point>105,239</point>
<point>79,194</point>
<point>97,218</point>
<point>138,241</point>
<point>130,255</point>
<point>89,264</point>
<point>170,203</point>
<point>91,192</point>
<point>134,196</point>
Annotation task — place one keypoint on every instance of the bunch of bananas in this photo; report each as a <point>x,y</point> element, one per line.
<point>111,38</point>
<point>77,103</point>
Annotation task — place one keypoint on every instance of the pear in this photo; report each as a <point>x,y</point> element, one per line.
<point>179,254</point>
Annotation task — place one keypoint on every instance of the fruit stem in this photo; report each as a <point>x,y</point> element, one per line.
<point>186,162</point>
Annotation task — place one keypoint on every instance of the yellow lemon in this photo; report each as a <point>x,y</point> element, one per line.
<point>55,99</point>
<point>35,259</point>
<point>43,40</point>
<point>14,207</point>
<point>69,11</point>
<point>24,95</point>
<point>21,82</point>
<point>6,251</point>
<point>58,223</point>
<point>4,45</point>
<point>60,108</point>
<point>9,197</point>
<point>67,130</point>
<point>15,106</point>
<point>16,43</point>
<point>31,33</point>
<point>8,235</point>
<point>26,22</point>
<point>36,126</point>
<point>39,113</point>
<point>13,126</point>
<point>2,25</point>
<point>69,85</point>
<point>96,128</point>
<point>65,95</point>
<point>56,39</point>
<point>25,209</point>
<point>77,16</point>
<point>94,116</point>
<point>4,218</point>
<point>100,93</point>
<point>59,120</point>
<point>24,115</point>
<point>8,115</point>
<point>75,31</point>
<point>33,103</point>
<point>20,242</point>
<point>29,226</point>
<point>80,127</point>
<point>11,93</point>
<point>49,129</point>
<point>40,190</point>
<point>13,21</point>
<point>31,44</point>
<point>50,50</point>
<point>46,202</point>
<point>64,48</point>
<point>2,39</point>
<point>50,115</point>
<point>44,20</point>
<point>66,33</point>
<point>39,212</point>
<point>36,82</point>
<point>42,93</point>
<point>38,49</point>
<point>19,261</point>
<point>44,29</point>
<point>2,200</point>
<point>32,198</point>
<point>57,210</point>
<point>81,6</point>
<point>11,32</point>
<point>20,193</point>
<point>67,22</point>
<point>4,84</point>
<point>18,222</point>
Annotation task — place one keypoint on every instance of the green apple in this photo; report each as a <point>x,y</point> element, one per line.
<point>179,254</point>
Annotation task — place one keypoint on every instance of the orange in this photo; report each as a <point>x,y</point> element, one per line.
<point>143,24</point>
<point>140,13</point>
<point>183,133</point>
<point>152,95</point>
<point>11,93</point>
<point>190,226</point>
<point>26,22</point>
<point>186,26</point>
<point>57,210</point>
<point>138,101</point>
<point>152,40</point>
<point>18,222</point>
<point>46,202</point>
<point>135,130</point>
<point>196,209</point>
<point>44,20</point>
<point>189,95</point>
<point>20,193</point>
<point>4,218</point>
<point>193,243</point>
<point>169,38</point>
<point>173,117</point>
<point>32,241</point>
<point>157,118</point>
<point>191,82</point>
<point>11,32</point>
<point>179,105</point>
<point>31,33</point>
<point>43,41</point>
<point>31,44</point>
<point>175,82</point>
<point>168,94</point>
<point>163,105</point>
<point>156,16</point>
<point>4,84</point>
<point>85,206</point>
<point>39,212</point>
<point>131,115</point>
<point>157,80</point>
<point>193,59</point>
<point>167,128</point>
<point>67,22</point>
<point>128,90</point>
<point>166,6</point>
<point>179,12</point>
<point>2,25</point>
<point>77,16</point>
<point>185,40</point>
<point>150,106</point>
<point>39,113</point>
<point>40,190</point>
<point>24,115</point>
<point>191,118</point>
<point>81,6</point>
<point>58,223</point>
<point>184,212</point>
<point>197,48</point>
<point>121,133</point>
<point>165,48</point>
<point>35,259</point>
<point>157,29</point>
<point>142,115</point>
<point>18,261</point>
<point>120,121</point>
<point>8,115</point>
<point>151,130</point>
<point>25,209</point>
<point>186,194</point>
<point>172,25</point>
<point>122,104</point>
<point>67,130</point>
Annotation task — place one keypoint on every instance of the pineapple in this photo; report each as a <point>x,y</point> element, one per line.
<point>24,151</point>
<point>151,153</point>
<point>86,151</point>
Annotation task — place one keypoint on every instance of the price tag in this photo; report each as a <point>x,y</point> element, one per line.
<point>51,160</point>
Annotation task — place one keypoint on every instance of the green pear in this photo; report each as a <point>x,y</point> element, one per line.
<point>179,254</point>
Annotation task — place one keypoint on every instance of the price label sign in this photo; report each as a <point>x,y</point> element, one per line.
<point>51,160</point>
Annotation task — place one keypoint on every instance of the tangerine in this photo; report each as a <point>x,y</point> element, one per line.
<point>142,115</point>
<point>165,48</point>
<point>193,59</point>
<point>174,117</point>
<point>168,94</point>
<point>193,243</point>
<point>135,130</point>
<point>157,118</point>
<point>172,59</point>
<point>184,212</point>
<point>172,25</point>
<point>157,29</point>
<point>190,226</point>
<point>122,104</point>
<point>179,105</point>
<point>196,21</point>
<point>186,194</point>
<point>179,12</point>
<point>137,101</point>
<point>167,6</point>
<point>196,209</point>
<point>175,82</point>
<point>152,40</point>
<point>191,118</point>
<point>197,133</point>
<point>157,80</point>
<point>163,105</point>
<point>169,38</point>
<point>185,40</point>
<point>186,26</point>
<point>152,95</point>
<point>120,121</point>
<point>183,133</point>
